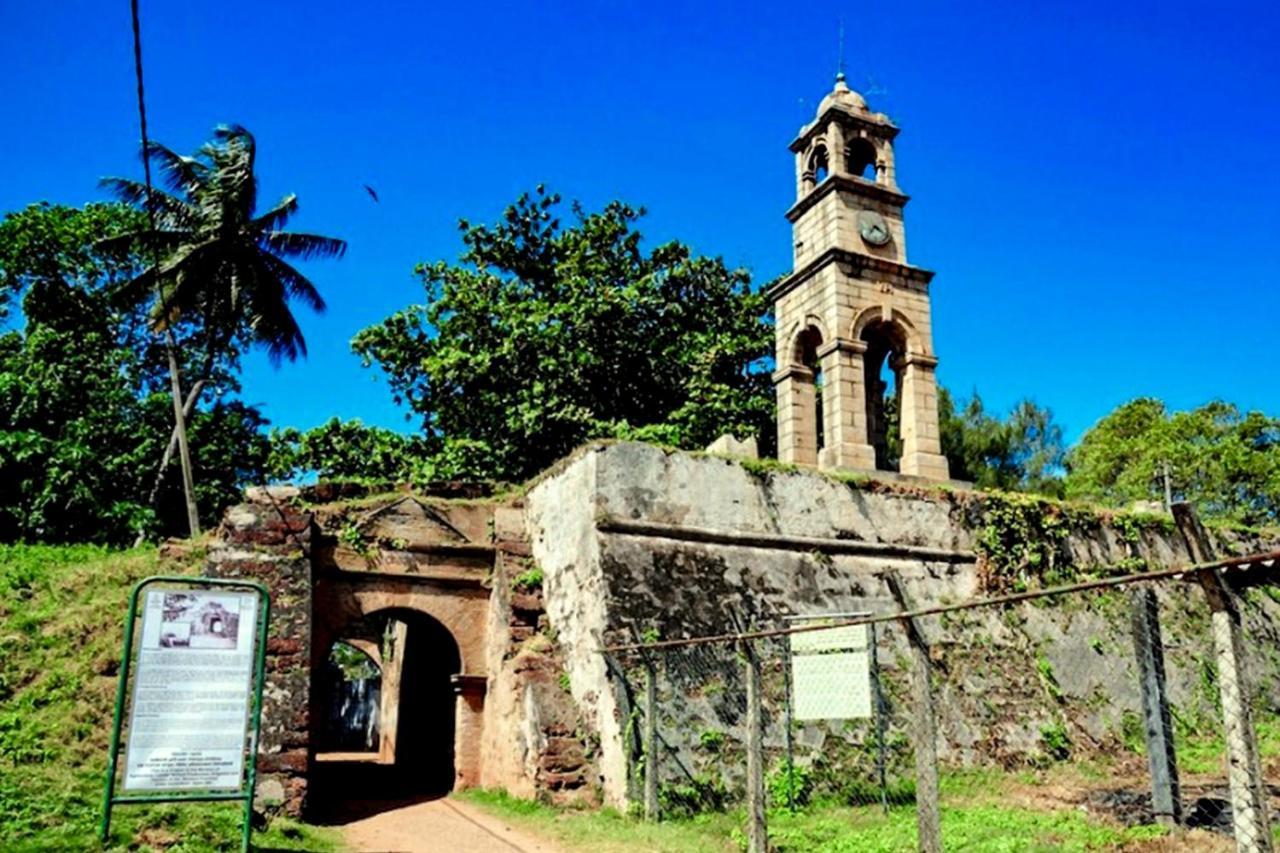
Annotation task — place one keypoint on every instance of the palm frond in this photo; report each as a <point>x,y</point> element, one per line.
<point>234,150</point>
<point>181,174</point>
<point>169,207</point>
<point>271,322</point>
<point>158,242</point>
<point>290,244</point>
<point>276,217</point>
<point>295,284</point>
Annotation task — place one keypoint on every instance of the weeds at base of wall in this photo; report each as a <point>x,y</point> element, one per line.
<point>790,787</point>
<point>694,796</point>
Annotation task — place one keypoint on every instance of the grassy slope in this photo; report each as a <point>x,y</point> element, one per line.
<point>985,811</point>
<point>61,623</point>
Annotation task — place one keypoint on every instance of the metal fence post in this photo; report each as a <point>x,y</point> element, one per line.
<point>650,739</point>
<point>757,831</point>
<point>928,816</point>
<point>1148,646</point>
<point>1244,772</point>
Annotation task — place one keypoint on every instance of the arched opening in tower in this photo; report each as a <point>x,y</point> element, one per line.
<point>383,714</point>
<point>882,365</point>
<point>819,166</point>
<point>860,159</point>
<point>807,355</point>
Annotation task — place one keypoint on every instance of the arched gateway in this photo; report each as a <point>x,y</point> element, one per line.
<point>392,630</point>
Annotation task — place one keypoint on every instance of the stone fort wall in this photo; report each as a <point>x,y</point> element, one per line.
<point>637,541</point>
<point>623,540</point>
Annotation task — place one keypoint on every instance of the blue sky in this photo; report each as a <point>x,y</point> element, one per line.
<point>1097,185</point>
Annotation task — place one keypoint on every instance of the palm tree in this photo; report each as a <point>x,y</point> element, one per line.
<point>220,266</point>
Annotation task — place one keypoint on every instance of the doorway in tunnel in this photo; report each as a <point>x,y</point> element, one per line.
<point>385,712</point>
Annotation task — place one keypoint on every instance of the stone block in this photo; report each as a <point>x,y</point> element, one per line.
<point>508,523</point>
<point>728,445</point>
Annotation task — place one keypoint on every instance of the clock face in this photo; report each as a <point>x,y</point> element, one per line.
<point>873,228</point>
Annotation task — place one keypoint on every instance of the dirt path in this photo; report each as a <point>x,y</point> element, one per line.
<point>439,825</point>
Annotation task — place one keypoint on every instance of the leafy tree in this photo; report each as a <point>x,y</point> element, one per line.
<point>81,412</point>
<point>1022,452</point>
<point>50,249</point>
<point>220,265</point>
<point>544,335</point>
<point>1225,462</point>
<point>345,450</point>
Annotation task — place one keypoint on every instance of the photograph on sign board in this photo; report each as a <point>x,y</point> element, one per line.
<point>200,621</point>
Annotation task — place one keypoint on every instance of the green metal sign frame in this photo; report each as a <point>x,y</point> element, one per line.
<point>249,781</point>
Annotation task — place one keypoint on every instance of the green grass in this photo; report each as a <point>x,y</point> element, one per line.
<point>61,624</point>
<point>979,825</point>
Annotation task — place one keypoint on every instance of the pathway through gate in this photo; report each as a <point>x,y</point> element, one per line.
<point>421,826</point>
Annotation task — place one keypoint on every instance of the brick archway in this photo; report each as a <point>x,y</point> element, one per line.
<point>459,612</point>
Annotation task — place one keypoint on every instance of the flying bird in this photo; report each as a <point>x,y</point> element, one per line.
<point>373,195</point>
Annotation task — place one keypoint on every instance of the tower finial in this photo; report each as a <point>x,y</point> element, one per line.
<point>840,52</point>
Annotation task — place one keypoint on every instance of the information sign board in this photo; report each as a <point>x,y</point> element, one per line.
<point>197,666</point>
<point>831,674</point>
<point>191,691</point>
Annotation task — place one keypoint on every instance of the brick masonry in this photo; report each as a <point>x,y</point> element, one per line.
<point>269,542</point>
<point>453,560</point>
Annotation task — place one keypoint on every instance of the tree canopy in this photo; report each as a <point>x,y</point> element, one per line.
<point>1021,452</point>
<point>546,334</point>
<point>83,416</point>
<point>219,262</point>
<point>1224,461</point>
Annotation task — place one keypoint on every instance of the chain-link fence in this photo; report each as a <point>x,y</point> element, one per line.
<point>1107,713</point>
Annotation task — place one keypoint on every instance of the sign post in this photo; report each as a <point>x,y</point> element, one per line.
<point>193,720</point>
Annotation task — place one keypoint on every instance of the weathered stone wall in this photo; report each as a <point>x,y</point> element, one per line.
<point>634,540</point>
<point>628,540</point>
<point>535,743</point>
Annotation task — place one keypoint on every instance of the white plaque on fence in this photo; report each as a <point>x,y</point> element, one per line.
<point>191,692</point>
<point>831,674</point>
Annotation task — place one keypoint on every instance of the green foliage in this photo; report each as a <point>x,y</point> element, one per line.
<point>1023,452</point>
<point>1019,540</point>
<point>1045,668</point>
<point>981,821</point>
<point>354,664</point>
<point>1225,462</point>
<point>220,262</point>
<point>545,335</point>
<point>711,740</point>
<point>346,450</point>
<point>790,786</point>
<point>50,250</point>
<point>61,615</point>
<point>354,538</point>
<point>1056,741</point>
<point>530,580</point>
<point>692,797</point>
<point>1133,733</point>
<point>84,417</point>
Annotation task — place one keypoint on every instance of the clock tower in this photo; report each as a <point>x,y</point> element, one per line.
<point>854,316</point>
